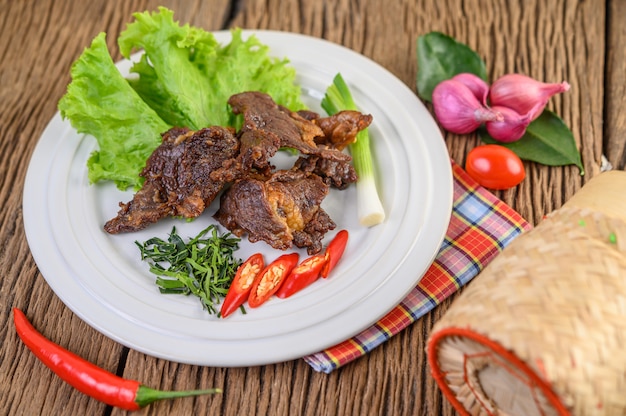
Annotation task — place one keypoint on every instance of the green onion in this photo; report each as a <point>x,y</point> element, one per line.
<point>369,208</point>
<point>203,267</point>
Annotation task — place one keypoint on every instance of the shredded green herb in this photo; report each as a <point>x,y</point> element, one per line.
<point>204,266</point>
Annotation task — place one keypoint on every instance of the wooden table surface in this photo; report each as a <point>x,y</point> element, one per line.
<point>575,40</point>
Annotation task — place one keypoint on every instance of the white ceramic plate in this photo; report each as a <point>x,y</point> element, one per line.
<point>102,279</point>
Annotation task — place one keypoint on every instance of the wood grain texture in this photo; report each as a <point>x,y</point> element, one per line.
<point>552,41</point>
<point>615,96</point>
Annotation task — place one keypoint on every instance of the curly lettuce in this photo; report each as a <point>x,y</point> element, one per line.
<point>100,102</point>
<point>183,78</point>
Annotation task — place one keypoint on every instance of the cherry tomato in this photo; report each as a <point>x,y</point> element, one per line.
<point>495,167</point>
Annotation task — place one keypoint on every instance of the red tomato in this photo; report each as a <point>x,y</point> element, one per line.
<point>495,167</point>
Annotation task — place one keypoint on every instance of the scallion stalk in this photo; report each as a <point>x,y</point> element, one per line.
<point>369,207</point>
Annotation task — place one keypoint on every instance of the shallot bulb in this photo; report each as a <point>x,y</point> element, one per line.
<point>511,128</point>
<point>458,110</point>
<point>477,85</point>
<point>523,94</point>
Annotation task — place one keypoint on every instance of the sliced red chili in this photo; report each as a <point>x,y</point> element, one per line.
<point>242,284</point>
<point>302,275</point>
<point>88,378</point>
<point>269,280</point>
<point>334,251</point>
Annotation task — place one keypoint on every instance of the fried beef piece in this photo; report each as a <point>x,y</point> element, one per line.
<point>282,210</point>
<point>340,129</point>
<point>256,149</point>
<point>306,114</point>
<point>262,114</point>
<point>177,178</point>
<point>335,173</point>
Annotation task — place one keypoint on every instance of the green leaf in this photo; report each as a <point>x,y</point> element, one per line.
<point>184,78</point>
<point>100,102</point>
<point>168,67</point>
<point>188,77</point>
<point>203,267</point>
<point>547,140</point>
<point>440,57</point>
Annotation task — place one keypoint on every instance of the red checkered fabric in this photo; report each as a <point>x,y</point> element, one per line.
<point>480,227</point>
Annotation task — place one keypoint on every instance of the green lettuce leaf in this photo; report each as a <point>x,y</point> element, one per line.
<point>246,65</point>
<point>100,102</point>
<point>169,79</point>
<point>187,76</point>
<point>184,78</point>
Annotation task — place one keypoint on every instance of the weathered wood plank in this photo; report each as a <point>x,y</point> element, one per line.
<point>615,84</point>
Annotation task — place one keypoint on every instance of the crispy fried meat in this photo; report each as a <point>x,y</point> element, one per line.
<point>283,210</point>
<point>340,129</point>
<point>177,178</point>
<point>336,173</point>
<point>262,114</point>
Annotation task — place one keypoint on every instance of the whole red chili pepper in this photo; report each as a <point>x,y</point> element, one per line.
<point>89,378</point>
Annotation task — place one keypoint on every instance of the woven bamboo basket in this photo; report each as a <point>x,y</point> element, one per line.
<point>542,330</point>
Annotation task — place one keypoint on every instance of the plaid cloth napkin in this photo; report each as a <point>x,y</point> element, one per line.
<point>480,227</point>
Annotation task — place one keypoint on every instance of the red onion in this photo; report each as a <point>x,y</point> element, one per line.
<point>477,85</point>
<point>511,128</point>
<point>523,94</point>
<point>457,109</point>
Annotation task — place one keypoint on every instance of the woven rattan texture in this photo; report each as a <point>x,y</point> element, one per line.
<point>555,298</point>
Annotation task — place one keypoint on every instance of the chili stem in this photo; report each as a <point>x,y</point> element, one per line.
<point>146,395</point>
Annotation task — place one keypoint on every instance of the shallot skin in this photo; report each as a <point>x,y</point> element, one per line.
<point>511,128</point>
<point>457,108</point>
<point>476,84</point>
<point>524,94</point>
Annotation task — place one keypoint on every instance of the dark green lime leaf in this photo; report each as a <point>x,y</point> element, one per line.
<point>440,57</point>
<point>547,140</point>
